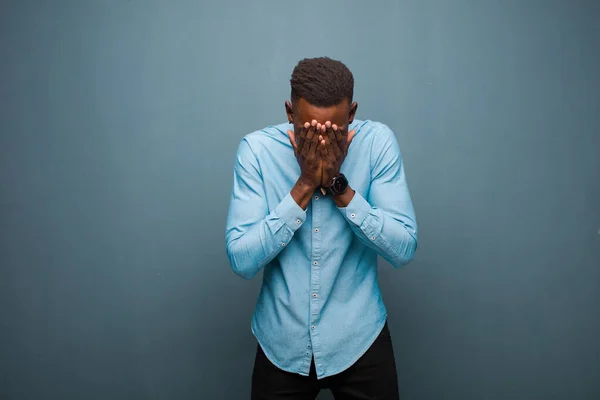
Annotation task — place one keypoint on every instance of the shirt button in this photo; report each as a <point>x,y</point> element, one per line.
<point>298,221</point>
<point>317,230</point>
<point>314,295</point>
<point>316,197</point>
<point>308,347</point>
<point>352,215</point>
<point>316,263</point>
<point>312,327</point>
<point>372,237</point>
<point>283,244</point>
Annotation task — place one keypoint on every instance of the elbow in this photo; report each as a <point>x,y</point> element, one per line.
<point>240,265</point>
<point>244,273</point>
<point>406,252</point>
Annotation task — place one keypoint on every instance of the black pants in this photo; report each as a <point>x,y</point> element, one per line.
<point>373,376</point>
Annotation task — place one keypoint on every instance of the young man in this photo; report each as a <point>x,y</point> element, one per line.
<point>313,204</point>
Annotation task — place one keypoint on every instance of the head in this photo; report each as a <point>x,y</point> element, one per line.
<point>322,90</point>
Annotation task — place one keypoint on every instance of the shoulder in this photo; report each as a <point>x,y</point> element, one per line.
<point>265,138</point>
<point>374,135</point>
<point>372,130</point>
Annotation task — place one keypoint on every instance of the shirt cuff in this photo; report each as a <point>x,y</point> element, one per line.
<point>357,210</point>
<point>290,213</point>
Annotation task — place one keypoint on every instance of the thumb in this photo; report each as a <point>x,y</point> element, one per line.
<point>292,139</point>
<point>350,137</point>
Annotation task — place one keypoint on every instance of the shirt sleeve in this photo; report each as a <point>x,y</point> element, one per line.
<point>386,220</point>
<point>255,236</point>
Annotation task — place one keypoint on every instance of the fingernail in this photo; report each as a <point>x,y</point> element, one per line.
<point>334,126</point>
<point>306,125</point>
<point>328,124</point>
<point>314,122</point>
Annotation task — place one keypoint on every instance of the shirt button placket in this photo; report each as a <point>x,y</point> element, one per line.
<point>315,273</point>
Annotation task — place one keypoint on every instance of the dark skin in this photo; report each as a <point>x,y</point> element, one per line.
<point>320,140</point>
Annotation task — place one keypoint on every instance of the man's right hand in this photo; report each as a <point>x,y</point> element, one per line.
<point>306,150</point>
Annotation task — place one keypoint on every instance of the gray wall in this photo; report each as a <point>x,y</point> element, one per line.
<point>119,122</point>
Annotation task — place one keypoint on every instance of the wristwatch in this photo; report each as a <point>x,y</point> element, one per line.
<point>339,184</point>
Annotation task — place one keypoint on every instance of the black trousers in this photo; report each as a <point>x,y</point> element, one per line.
<point>373,376</point>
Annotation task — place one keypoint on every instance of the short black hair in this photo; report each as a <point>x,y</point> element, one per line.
<point>322,82</point>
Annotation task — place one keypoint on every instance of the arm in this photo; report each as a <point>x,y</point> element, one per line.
<point>386,222</point>
<point>254,237</point>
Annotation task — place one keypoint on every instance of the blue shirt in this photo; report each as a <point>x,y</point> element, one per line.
<point>320,296</point>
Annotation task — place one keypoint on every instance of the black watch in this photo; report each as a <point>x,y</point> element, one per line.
<point>339,184</point>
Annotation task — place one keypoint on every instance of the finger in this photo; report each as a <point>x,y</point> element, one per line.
<point>300,138</point>
<point>308,137</point>
<point>351,135</point>
<point>330,133</point>
<point>339,135</point>
<point>331,152</point>
<point>310,133</point>
<point>302,135</point>
<point>334,148</point>
<point>324,147</point>
<point>320,144</point>
<point>321,128</point>
<point>314,141</point>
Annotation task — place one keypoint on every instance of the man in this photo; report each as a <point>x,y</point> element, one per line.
<point>313,204</point>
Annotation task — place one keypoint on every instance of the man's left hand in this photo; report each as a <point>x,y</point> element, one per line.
<point>334,151</point>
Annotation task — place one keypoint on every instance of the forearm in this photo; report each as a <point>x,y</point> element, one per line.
<point>251,248</point>
<point>393,237</point>
<point>258,246</point>
<point>344,199</point>
<point>302,193</point>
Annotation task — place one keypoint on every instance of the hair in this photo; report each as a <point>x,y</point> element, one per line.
<point>322,82</point>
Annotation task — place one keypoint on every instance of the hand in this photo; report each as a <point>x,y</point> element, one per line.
<point>334,149</point>
<point>307,154</point>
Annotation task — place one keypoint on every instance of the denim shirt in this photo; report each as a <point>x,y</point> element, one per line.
<point>320,297</point>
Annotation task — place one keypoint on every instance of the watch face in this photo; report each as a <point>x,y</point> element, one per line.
<point>339,184</point>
